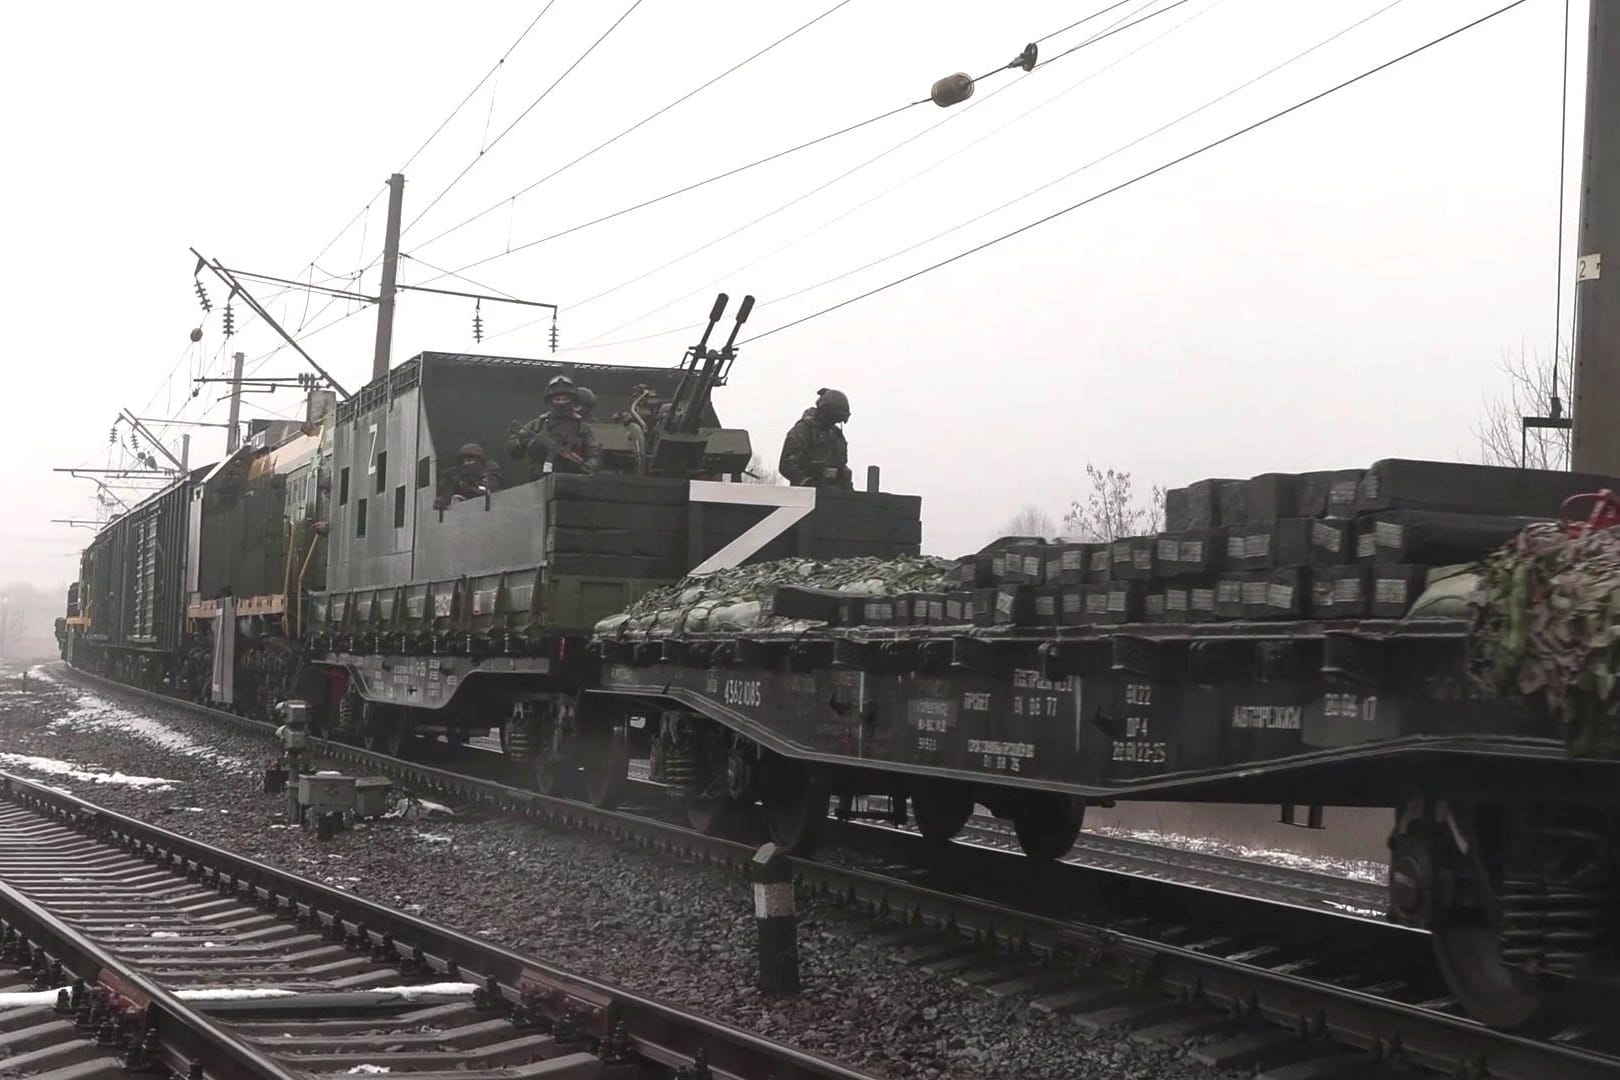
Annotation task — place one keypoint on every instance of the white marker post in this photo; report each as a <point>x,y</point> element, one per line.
<point>772,875</point>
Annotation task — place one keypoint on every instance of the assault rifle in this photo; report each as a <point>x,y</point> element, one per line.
<point>552,450</point>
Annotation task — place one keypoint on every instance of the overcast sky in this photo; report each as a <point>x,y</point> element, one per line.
<point>1338,286</point>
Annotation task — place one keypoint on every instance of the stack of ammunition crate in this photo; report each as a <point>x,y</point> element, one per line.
<point>1348,544</point>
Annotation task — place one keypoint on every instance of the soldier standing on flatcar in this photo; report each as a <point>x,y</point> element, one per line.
<point>814,454</point>
<point>558,440</point>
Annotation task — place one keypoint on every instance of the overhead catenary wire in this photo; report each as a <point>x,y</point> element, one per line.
<point>1137,141</point>
<point>434,134</point>
<point>1124,23</point>
<point>738,66</point>
<point>526,245</point>
<point>1139,177</point>
<point>926,170</point>
<point>1082,20</point>
<point>443,273</point>
<point>569,70</point>
<point>1109,31</point>
<point>479,85</point>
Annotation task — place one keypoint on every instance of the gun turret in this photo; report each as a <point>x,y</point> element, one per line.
<point>676,446</point>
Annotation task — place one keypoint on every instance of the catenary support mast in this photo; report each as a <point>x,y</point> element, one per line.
<point>390,268</point>
<point>233,434</point>
<point>1597,279</point>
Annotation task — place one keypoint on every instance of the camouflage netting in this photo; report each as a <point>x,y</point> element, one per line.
<point>732,599</point>
<point>1548,624</point>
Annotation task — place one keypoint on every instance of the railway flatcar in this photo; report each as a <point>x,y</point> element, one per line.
<point>1290,639</point>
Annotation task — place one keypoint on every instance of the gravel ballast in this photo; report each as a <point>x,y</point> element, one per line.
<point>656,926</point>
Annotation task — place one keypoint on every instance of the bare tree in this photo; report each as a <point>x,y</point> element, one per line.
<point>1530,387</point>
<point>1111,510</point>
<point>1030,521</point>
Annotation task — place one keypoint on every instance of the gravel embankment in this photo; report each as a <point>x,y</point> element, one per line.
<point>662,928</point>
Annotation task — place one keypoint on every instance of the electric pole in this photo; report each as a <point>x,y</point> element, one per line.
<point>1597,294</point>
<point>390,267</point>
<point>233,434</point>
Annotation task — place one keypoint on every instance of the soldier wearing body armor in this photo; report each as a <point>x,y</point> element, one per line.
<point>474,477</point>
<point>815,453</point>
<point>558,440</point>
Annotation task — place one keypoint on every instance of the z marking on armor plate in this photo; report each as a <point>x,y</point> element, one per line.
<point>792,505</point>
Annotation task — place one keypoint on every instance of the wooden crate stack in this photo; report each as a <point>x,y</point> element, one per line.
<point>1345,544</point>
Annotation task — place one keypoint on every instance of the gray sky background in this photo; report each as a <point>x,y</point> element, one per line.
<point>1336,287</point>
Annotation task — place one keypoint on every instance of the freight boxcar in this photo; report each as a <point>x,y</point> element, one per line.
<point>131,592</point>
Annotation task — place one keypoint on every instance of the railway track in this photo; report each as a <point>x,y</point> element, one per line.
<point>1284,989</point>
<point>151,951</point>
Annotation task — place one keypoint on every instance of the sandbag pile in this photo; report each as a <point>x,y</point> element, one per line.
<point>742,598</point>
<point>1548,626</point>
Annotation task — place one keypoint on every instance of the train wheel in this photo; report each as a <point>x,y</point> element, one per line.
<point>1462,845</point>
<point>1491,991</point>
<point>795,804</point>
<point>715,815</point>
<point>1047,825</point>
<point>555,773</point>
<point>386,729</point>
<point>941,810</point>
<point>603,752</point>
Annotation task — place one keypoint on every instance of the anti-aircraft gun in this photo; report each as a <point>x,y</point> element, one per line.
<point>668,435</point>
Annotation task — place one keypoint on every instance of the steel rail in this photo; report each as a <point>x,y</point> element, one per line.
<point>659,1031</point>
<point>180,1035</point>
<point>1386,1029</point>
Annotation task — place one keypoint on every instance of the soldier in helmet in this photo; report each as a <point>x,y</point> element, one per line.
<point>558,440</point>
<point>815,453</point>
<point>474,477</point>
<point>587,402</point>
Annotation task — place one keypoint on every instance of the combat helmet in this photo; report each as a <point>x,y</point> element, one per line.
<point>586,398</point>
<point>561,384</point>
<point>832,404</point>
<point>471,450</point>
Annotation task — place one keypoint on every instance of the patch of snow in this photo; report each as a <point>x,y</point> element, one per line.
<point>410,993</point>
<point>1331,866</point>
<point>434,838</point>
<point>233,993</point>
<point>1352,909</point>
<point>94,712</point>
<point>53,767</point>
<point>163,934</point>
<point>25,998</point>
<point>367,1070</point>
<point>411,808</point>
